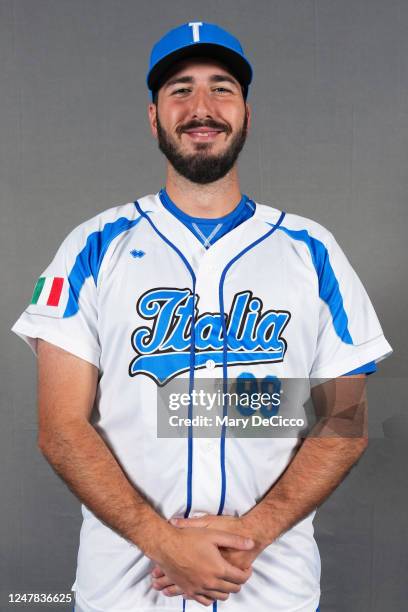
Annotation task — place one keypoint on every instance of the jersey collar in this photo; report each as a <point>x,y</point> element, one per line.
<point>180,214</point>
<point>221,251</point>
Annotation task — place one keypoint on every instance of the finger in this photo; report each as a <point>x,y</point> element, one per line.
<point>238,558</point>
<point>172,590</point>
<point>161,583</point>
<point>232,540</point>
<point>157,572</point>
<point>225,587</point>
<point>214,595</point>
<point>235,574</point>
<point>206,601</point>
<point>202,599</point>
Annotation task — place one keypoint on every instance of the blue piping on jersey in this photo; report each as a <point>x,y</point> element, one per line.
<point>192,359</point>
<point>89,260</point>
<point>225,362</point>
<point>367,368</point>
<point>329,289</point>
<point>203,228</point>
<point>225,351</point>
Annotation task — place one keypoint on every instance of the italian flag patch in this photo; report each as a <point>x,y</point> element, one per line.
<point>48,291</point>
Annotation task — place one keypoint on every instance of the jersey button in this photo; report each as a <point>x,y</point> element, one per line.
<point>210,364</point>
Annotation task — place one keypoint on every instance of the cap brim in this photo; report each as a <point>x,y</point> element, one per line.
<point>240,68</point>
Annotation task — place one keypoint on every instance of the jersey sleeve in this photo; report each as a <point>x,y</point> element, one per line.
<point>63,307</point>
<point>367,368</point>
<point>349,333</point>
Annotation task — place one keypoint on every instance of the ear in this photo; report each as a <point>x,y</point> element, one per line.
<point>152,114</point>
<point>248,110</point>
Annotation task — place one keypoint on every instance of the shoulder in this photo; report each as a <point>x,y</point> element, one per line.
<point>110,221</point>
<point>85,246</point>
<point>98,231</point>
<point>297,227</point>
<point>314,243</point>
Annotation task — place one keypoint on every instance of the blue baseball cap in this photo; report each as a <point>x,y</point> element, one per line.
<point>194,39</point>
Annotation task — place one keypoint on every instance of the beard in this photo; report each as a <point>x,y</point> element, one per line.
<point>202,167</point>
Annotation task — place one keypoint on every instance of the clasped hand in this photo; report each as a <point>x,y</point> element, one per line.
<point>206,559</point>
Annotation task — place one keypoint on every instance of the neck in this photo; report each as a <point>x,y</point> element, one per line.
<point>212,200</point>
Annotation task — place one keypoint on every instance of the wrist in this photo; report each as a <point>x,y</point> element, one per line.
<point>258,528</point>
<point>159,542</point>
<point>153,532</point>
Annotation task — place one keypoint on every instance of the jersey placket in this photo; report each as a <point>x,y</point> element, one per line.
<point>208,267</point>
<point>206,481</point>
<point>211,266</point>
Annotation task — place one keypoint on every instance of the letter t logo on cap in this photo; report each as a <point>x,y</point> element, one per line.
<point>196,30</point>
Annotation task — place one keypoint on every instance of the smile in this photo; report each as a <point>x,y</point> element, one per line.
<point>203,136</point>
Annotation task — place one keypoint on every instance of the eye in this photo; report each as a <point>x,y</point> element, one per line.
<point>223,88</point>
<point>181,89</point>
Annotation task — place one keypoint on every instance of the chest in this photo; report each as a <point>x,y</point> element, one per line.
<point>153,298</point>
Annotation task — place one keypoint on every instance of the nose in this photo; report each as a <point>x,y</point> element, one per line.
<point>201,104</point>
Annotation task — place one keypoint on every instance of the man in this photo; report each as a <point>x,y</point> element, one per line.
<point>194,282</point>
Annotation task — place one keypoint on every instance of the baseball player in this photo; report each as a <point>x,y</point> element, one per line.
<point>195,281</point>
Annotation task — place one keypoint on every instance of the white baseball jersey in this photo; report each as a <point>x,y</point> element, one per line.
<point>276,295</point>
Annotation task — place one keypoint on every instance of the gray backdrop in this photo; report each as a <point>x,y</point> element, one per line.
<point>329,141</point>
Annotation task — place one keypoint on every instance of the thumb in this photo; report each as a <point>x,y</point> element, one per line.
<point>232,540</point>
<point>157,572</point>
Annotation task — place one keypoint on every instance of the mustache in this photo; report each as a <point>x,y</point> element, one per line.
<point>207,124</point>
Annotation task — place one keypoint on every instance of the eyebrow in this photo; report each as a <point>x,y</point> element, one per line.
<point>214,78</point>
